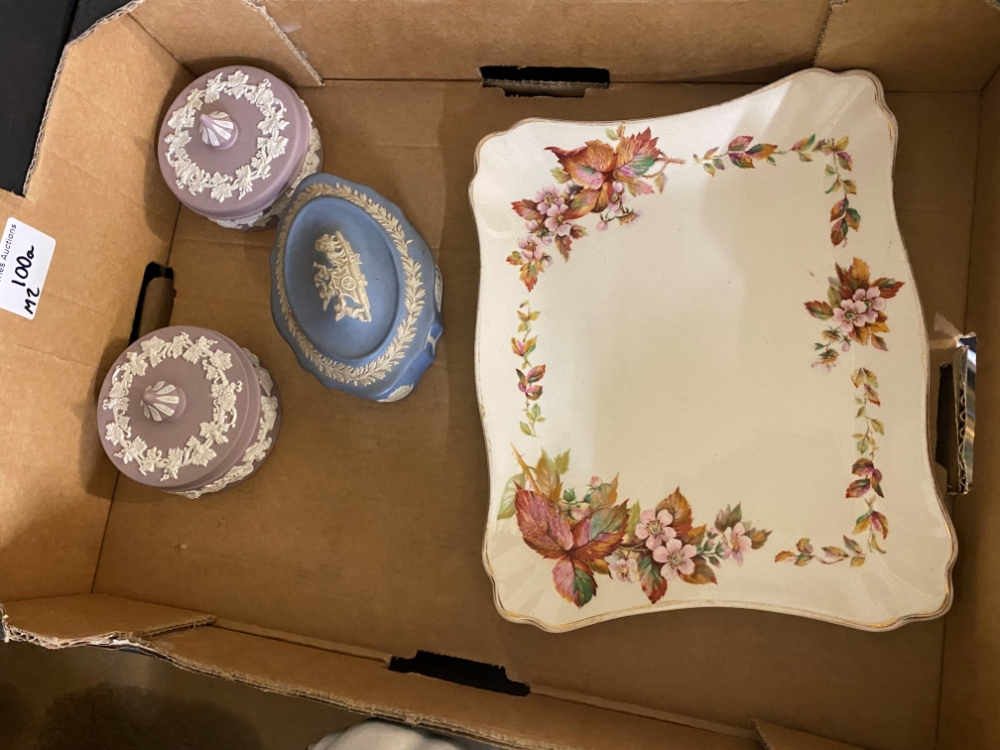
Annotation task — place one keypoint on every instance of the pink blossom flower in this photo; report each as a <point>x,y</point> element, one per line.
<point>546,197</point>
<point>602,225</point>
<point>530,249</point>
<point>655,528</point>
<point>623,568</point>
<point>555,209</point>
<point>676,557</point>
<point>846,346</point>
<point>735,543</point>
<point>872,299</point>
<point>557,222</point>
<point>533,225</point>
<point>850,314</point>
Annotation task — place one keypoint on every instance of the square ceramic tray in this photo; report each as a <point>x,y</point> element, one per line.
<point>702,366</point>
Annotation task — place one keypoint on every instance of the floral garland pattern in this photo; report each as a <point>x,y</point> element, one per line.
<point>596,535</point>
<point>592,534</point>
<point>856,305</point>
<point>866,484</point>
<point>528,377</point>
<point>595,178</point>
<point>269,147</point>
<point>843,218</point>
<point>197,452</point>
<point>598,178</point>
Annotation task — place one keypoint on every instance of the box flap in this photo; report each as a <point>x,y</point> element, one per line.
<point>93,619</point>
<point>96,189</point>
<point>780,738</point>
<point>635,41</point>
<point>915,45</point>
<point>971,681</point>
<point>204,35</point>
<point>366,686</point>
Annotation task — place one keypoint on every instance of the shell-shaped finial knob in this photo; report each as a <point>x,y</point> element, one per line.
<point>163,402</point>
<point>217,129</point>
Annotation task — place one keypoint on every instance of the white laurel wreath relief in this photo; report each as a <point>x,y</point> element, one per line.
<point>198,452</point>
<point>413,297</point>
<point>270,145</point>
<point>258,450</point>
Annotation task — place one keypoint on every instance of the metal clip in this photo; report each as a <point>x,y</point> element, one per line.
<point>957,409</point>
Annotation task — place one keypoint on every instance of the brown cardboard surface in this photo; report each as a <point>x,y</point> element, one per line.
<point>93,618</point>
<point>915,45</point>
<point>114,700</point>
<point>390,559</point>
<point>110,214</point>
<point>531,723</point>
<point>635,41</point>
<point>204,35</point>
<point>364,527</point>
<point>780,738</point>
<point>934,185</point>
<point>278,635</point>
<point>971,682</point>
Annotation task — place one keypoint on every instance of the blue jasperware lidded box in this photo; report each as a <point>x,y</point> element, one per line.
<point>354,290</point>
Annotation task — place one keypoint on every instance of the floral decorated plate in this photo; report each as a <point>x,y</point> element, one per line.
<point>702,366</point>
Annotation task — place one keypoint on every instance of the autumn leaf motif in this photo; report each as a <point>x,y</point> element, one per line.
<point>601,177</point>
<point>591,534</point>
<point>869,476</point>
<point>528,376</point>
<point>527,382</point>
<point>597,178</point>
<point>543,528</point>
<point>740,153</point>
<point>596,167</point>
<point>680,509</point>
<point>856,307</point>
<point>866,482</point>
<point>574,581</point>
<point>548,532</point>
<point>843,217</point>
<point>653,584</point>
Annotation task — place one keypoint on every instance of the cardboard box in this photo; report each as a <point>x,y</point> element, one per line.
<point>360,538</point>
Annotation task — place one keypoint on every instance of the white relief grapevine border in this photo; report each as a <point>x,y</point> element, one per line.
<point>195,452</point>
<point>269,147</point>
<point>257,451</point>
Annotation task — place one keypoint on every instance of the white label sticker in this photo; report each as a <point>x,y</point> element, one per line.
<point>25,254</point>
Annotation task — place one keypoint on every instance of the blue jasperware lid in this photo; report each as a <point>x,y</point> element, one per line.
<point>355,291</point>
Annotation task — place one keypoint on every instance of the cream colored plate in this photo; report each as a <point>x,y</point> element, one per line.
<point>702,365</point>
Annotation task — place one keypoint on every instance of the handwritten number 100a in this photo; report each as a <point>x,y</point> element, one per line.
<point>21,271</point>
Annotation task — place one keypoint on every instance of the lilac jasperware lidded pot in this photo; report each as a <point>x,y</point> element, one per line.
<point>186,410</point>
<point>235,144</point>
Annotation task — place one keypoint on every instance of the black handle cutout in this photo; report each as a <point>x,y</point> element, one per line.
<point>163,305</point>
<point>459,671</point>
<point>532,81</point>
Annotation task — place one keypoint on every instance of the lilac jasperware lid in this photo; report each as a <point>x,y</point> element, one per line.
<point>233,141</point>
<point>179,408</point>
